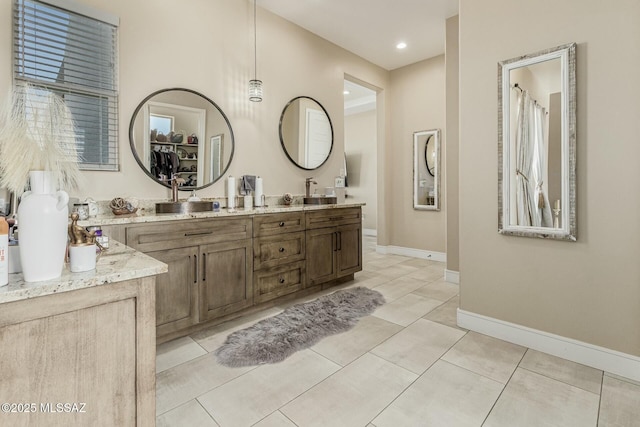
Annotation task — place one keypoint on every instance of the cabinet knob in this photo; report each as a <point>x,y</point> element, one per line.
<point>281,224</point>
<point>281,280</point>
<point>281,249</point>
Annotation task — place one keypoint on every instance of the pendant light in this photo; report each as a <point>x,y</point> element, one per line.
<point>255,85</point>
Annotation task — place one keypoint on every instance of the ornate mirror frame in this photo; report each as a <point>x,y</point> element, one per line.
<point>564,226</point>
<point>425,195</point>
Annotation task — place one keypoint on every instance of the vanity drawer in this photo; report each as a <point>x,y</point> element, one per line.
<point>275,282</point>
<point>271,251</point>
<point>271,224</point>
<point>175,234</point>
<point>332,217</point>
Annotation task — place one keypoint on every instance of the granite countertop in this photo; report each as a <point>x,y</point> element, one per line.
<point>151,216</point>
<point>117,264</point>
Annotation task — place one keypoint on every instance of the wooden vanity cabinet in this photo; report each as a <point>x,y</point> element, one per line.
<point>93,348</point>
<point>221,266</point>
<point>115,232</point>
<point>334,244</point>
<point>210,268</point>
<point>278,255</point>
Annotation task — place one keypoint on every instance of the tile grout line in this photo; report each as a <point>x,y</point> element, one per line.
<point>559,380</point>
<point>503,388</point>
<point>403,391</point>
<point>600,399</point>
<point>419,375</point>
<point>316,384</point>
<point>207,391</point>
<point>209,414</point>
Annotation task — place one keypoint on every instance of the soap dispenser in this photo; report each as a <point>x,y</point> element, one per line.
<point>193,197</point>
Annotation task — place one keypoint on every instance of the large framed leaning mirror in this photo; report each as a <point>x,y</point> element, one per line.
<point>537,144</point>
<point>426,170</point>
<point>306,132</point>
<point>181,132</point>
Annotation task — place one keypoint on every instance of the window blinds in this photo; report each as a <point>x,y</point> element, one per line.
<point>74,56</point>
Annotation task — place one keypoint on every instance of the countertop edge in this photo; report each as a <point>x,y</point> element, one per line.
<point>119,264</point>
<point>224,213</point>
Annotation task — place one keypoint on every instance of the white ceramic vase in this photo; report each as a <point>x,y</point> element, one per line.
<point>43,220</point>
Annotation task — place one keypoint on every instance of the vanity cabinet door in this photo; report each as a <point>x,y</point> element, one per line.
<point>333,252</point>
<point>321,255</point>
<point>226,282</point>
<point>176,290</point>
<point>349,249</point>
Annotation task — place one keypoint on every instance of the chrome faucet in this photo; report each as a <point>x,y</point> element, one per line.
<point>308,183</point>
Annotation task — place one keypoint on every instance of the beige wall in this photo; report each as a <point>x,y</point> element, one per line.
<point>587,290</point>
<point>360,148</point>
<point>453,144</point>
<point>212,43</point>
<point>417,103</point>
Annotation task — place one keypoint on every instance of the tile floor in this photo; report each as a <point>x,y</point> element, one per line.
<point>408,364</point>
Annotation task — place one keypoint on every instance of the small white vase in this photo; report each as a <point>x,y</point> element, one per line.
<point>43,219</point>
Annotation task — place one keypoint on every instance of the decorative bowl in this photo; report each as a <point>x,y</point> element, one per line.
<point>124,211</point>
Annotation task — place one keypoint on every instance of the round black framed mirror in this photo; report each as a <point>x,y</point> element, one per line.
<point>180,131</point>
<point>306,133</point>
<point>430,155</point>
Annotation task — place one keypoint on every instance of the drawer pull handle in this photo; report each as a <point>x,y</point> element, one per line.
<point>281,249</point>
<point>204,267</point>
<point>200,233</point>
<point>281,280</point>
<point>195,268</point>
<point>281,224</point>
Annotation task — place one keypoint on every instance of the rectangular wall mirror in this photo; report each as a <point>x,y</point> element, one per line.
<point>537,144</point>
<point>426,170</point>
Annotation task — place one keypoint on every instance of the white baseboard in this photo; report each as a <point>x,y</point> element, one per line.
<point>452,276</point>
<point>615,362</point>
<point>369,232</point>
<point>411,252</point>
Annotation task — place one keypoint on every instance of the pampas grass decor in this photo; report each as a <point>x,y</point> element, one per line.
<point>37,132</point>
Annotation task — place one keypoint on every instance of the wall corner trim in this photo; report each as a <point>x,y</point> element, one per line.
<point>612,361</point>
<point>413,253</point>
<point>452,276</point>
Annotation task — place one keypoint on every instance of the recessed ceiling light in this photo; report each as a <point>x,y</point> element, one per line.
<point>346,92</point>
<point>401,45</point>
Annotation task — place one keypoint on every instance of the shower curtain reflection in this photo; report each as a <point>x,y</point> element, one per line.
<point>532,201</point>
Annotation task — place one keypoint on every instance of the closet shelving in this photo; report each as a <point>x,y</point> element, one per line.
<point>187,154</point>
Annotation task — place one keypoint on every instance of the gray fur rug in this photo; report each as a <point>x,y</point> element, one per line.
<point>298,327</point>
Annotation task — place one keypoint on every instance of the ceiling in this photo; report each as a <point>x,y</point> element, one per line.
<point>372,28</point>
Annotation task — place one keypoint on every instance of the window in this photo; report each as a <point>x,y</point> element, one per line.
<point>73,54</point>
<point>161,123</point>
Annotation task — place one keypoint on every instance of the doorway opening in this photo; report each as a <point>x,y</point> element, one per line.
<point>361,152</point>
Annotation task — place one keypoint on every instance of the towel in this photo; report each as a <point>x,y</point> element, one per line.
<point>247,184</point>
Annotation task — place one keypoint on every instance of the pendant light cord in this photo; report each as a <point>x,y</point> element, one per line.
<point>255,43</point>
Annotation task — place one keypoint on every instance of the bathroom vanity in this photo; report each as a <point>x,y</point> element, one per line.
<point>225,264</point>
<point>80,349</point>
